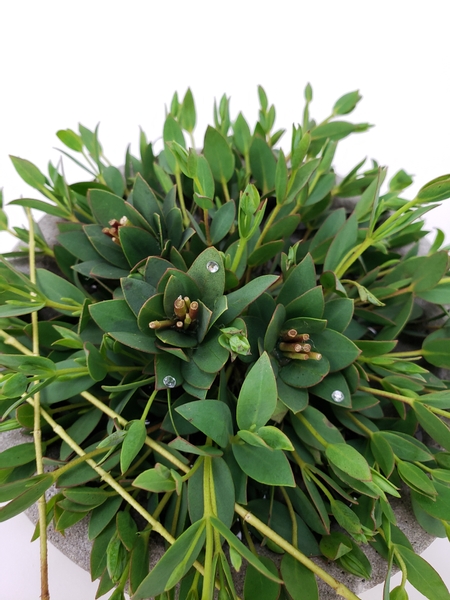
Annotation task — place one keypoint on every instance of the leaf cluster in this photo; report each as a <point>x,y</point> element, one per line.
<point>232,345</point>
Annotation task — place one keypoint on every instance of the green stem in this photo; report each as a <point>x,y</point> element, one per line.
<point>226,193</point>
<point>402,566</point>
<point>77,461</point>
<point>181,198</point>
<point>208,577</point>
<point>268,224</point>
<point>321,486</point>
<point>73,308</point>
<point>148,405</point>
<point>351,256</point>
<point>239,252</point>
<point>357,422</point>
<point>206,221</point>
<point>405,354</point>
<point>248,537</point>
<point>312,431</point>
<point>293,517</point>
<point>37,432</point>
<point>402,210</point>
<point>248,169</point>
<point>385,394</point>
<point>340,588</point>
<point>169,406</point>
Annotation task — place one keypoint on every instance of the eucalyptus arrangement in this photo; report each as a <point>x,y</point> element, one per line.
<point>226,357</point>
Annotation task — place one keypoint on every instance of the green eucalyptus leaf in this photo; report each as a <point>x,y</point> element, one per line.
<point>304,374</point>
<point>234,542</point>
<point>28,494</point>
<point>212,417</point>
<point>156,480</point>
<point>29,172</point>
<point>223,487</point>
<point>132,444</point>
<point>433,425</point>
<point>219,155</point>
<point>415,478</point>
<point>240,299</point>
<point>258,396</point>
<point>435,190</point>
<point>263,164</point>
<point>222,221</point>
<point>349,460</point>
<point>17,456</point>
<point>343,242</point>
<point>184,551</point>
<point>187,116</point>
<point>257,587</point>
<point>116,318</point>
<point>422,575</point>
<point>264,465</point>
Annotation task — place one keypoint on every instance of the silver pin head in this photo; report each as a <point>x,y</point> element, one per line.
<point>212,266</point>
<point>337,396</point>
<point>169,381</point>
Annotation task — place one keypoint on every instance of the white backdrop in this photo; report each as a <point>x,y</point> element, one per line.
<point>118,63</point>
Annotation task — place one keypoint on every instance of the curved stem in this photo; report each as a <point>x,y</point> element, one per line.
<point>239,252</point>
<point>293,517</point>
<point>351,256</point>
<point>268,224</point>
<point>208,577</point>
<point>37,432</point>
<point>340,588</point>
<point>311,430</point>
<point>226,193</point>
<point>181,198</point>
<point>148,405</point>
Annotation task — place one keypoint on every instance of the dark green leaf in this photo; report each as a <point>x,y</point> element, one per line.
<point>224,491</point>
<point>263,164</point>
<point>28,172</point>
<point>212,417</point>
<point>219,155</point>
<point>240,299</point>
<point>185,551</point>
<point>71,139</point>
<point>415,478</point>
<point>433,425</point>
<point>101,516</point>
<point>349,460</point>
<point>137,244</point>
<point>304,374</point>
<point>422,575</point>
<point>30,492</point>
<point>132,444</point>
<point>266,466</point>
<point>259,587</point>
<point>222,221</point>
<point>17,455</point>
<point>299,280</point>
<point>258,396</point>
<point>344,241</point>
<point>435,190</point>
<point>234,542</point>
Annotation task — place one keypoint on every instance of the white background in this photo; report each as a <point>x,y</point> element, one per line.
<point>118,63</point>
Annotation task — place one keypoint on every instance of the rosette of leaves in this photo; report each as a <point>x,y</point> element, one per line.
<point>227,350</point>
